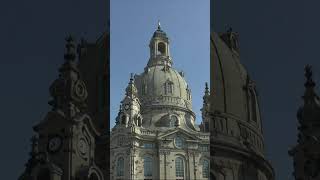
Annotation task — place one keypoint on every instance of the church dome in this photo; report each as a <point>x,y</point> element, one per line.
<point>160,85</point>
<point>234,93</point>
<point>230,78</point>
<point>236,123</point>
<point>163,91</point>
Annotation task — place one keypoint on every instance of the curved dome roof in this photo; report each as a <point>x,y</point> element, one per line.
<point>230,78</point>
<point>234,98</point>
<point>160,85</point>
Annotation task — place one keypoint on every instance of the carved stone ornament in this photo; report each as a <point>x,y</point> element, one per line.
<point>79,91</point>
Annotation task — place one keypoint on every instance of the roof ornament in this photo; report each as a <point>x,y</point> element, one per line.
<point>165,66</point>
<point>159,25</point>
<point>309,96</point>
<point>206,89</point>
<point>308,74</point>
<point>131,90</point>
<point>70,54</point>
<point>131,78</point>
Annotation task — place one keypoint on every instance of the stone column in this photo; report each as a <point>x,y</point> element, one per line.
<point>162,164</point>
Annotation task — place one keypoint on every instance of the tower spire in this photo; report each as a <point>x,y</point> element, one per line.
<point>131,90</point>
<point>206,89</point>
<point>309,95</point>
<point>69,91</point>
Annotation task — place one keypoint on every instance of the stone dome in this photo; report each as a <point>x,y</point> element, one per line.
<point>161,86</point>
<point>230,78</point>
<point>236,123</point>
<point>234,96</point>
<point>162,90</point>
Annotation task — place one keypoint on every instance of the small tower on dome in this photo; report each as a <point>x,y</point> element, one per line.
<point>205,110</point>
<point>159,49</point>
<point>129,112</point>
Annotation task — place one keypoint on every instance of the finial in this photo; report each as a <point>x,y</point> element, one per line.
<point>308,74</point>
<point>70,54</point>
<point>131,89</point>
<point>159,26</point>
<point>131,77</point>
<point>206,89</point>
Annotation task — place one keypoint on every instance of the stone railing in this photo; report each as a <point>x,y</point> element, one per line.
<point>146,132</point>
<point>204,136</point>
<point>167,100</point>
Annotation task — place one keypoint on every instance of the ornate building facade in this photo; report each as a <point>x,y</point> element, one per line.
<point>155,136</point>
<point>236,139</point>
<point>71,142</point>
<point>306,154</point>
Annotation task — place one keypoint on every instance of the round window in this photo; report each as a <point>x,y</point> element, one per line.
<point>179,142</point>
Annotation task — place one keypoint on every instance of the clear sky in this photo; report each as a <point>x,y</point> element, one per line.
<point>186,22</point>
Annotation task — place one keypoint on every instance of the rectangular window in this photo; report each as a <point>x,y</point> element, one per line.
<point>148,145</point>
<point>203,147</point>
<point>147,166</point>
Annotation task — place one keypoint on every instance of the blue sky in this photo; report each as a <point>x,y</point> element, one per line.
<point>132,25</point>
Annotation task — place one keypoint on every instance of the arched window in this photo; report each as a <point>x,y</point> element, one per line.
<point>44,174</point>
<point>147,165</point>
<point>253,103</point>
<point>205,169</point>
<point>179,142</point>
<point>120,166</point>
<point>168,87</point>
<point>188,94</point>
<point>161,49</point>
<point>173,121</point>
<point>124,119</point>
<point>139,121</point>
<point>179,168</point>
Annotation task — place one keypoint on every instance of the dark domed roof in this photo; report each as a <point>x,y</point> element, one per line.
<point>159,33</point>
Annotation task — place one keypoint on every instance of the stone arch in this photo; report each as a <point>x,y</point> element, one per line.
<point>162,48</point>
<point>253,105</point>
<point>168,87</point>
<point>138,119</point>
<point>174,120</point>
<point>205,167</point>
<point>180,167</point>
<point>95,173</point>
<point>120,166</point>
<point>124,118</point>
